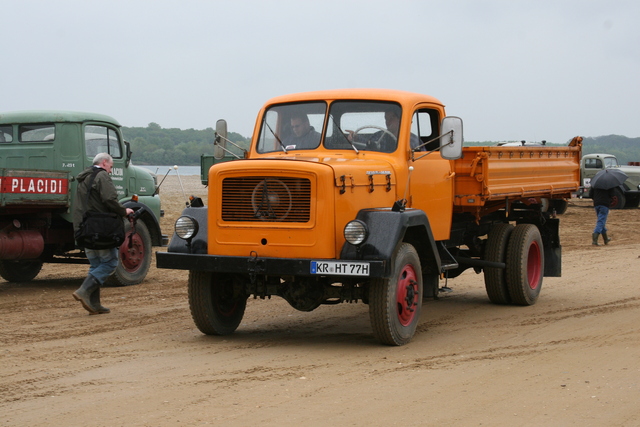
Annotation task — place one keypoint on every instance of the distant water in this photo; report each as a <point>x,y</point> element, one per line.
<point>182,170</point>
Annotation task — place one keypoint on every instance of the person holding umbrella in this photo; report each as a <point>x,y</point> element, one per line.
<point>603,184</point>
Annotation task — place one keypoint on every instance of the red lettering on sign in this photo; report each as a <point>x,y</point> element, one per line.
<point>29,185</point>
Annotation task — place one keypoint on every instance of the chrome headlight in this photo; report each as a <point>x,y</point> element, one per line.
<point>356,232</point>
<point>186,227</point>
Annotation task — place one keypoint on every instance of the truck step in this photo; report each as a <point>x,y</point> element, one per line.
<point>447,261</point>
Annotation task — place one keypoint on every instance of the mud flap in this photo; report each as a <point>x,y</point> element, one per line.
<point>553,261</point>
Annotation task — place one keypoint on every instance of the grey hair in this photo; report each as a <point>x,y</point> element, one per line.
<point>100,157</point>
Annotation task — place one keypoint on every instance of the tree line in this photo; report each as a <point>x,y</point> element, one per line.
<point>155,145</point>
<point>625,149</point>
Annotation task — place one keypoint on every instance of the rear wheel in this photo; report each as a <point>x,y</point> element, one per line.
<point>525,264</point>
<point>20,270</point>
<point>216,307</point>
<point>495,280</point>
<point>395,303</point>
<point>134,255</point>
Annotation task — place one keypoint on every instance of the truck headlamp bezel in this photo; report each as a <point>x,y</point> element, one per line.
<point>186,227</point>
<point>356,232</point>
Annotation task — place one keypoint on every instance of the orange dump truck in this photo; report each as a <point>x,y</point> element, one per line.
<point>368,196</point>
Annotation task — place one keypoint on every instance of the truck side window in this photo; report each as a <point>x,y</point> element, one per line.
<point>593,163</point>
<point>6,134</point>
<point>37,133</point>
<point>424,124</point>
<point>101,139</point>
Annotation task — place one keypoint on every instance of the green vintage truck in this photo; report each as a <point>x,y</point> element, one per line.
<point>41,153</point>
<point>626,195</point>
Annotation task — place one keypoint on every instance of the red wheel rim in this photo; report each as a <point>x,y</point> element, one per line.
<point>132,252</point>
<point>534,265</point>
<point>407,295</point>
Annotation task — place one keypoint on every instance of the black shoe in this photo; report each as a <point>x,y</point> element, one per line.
<point>95,303</point>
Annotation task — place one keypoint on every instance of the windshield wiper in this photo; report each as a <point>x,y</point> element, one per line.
<point>344,136</point>
<point>277,139</point>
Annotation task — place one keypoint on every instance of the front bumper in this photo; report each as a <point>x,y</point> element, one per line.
<point>254,265</point>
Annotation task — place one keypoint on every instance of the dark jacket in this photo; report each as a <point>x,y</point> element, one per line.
<point>103,198</point>
<point>602,197</point>
<point>305,142</point>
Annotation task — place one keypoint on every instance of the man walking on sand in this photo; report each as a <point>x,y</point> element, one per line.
<point>601,202</point>
<point>102,198</point>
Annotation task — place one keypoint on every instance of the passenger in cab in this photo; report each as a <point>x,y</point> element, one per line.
<point>303,136</point>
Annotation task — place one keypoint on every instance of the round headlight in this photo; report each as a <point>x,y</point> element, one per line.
<point>356,232</point>
<point>186,227</point>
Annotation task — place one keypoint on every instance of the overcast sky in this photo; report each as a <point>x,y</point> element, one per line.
<point>511,69</point>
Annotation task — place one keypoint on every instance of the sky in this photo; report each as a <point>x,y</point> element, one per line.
<point>512,70</point>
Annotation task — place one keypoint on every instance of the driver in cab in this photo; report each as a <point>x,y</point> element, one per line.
<point>385,140</point>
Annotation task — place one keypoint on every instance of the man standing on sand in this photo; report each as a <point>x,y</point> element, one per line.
<point>102,198</point>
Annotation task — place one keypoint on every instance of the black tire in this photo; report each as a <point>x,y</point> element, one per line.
<point>216,308</point>
<point>135,260</point>
<point>617,200</point>
<point>495,279</point>
<point>560,205</point>
<point>395,303</point>
<point>525,264</point>
<point>20,270</point>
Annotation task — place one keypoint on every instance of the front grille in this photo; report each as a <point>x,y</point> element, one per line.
<point>266,199</point>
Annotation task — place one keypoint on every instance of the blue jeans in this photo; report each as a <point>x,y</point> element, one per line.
<point>103,262</point>
<point>602,212</point>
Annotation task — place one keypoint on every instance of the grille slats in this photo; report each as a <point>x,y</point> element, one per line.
<point>266,199</point>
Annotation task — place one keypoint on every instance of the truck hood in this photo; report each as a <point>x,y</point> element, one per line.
<point>359,171</point>
<point>629,170</point>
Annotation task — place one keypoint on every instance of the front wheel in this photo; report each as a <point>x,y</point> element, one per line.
<point>134,255</point>
<point>560,205</point>
<point>525,264</point>
<point>395,303</point>
<point>217,306</point>
<point>618,200</point>
<point>20,270</point>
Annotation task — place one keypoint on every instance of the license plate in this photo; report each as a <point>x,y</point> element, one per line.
<point>340,268</point>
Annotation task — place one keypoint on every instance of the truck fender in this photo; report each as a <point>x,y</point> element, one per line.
<point>198,244</point>
<point>387,230</point>
<point>149,218</point>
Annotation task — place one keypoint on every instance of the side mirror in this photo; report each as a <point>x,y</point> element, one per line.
<point>451,138</point>
<point>127,153</point>
<point>221,139</point>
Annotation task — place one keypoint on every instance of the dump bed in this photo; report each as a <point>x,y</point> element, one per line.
<point>44,188</point>
<point>489,175</point>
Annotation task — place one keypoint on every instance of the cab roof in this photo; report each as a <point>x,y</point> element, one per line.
<point>402,97</point>
<point>47,116</point>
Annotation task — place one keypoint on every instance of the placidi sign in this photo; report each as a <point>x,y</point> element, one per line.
<point>34,187</point>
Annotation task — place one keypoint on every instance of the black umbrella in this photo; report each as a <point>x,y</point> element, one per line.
<point>608,178</point>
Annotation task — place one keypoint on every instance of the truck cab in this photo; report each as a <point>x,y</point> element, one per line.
<point>41,153</point>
